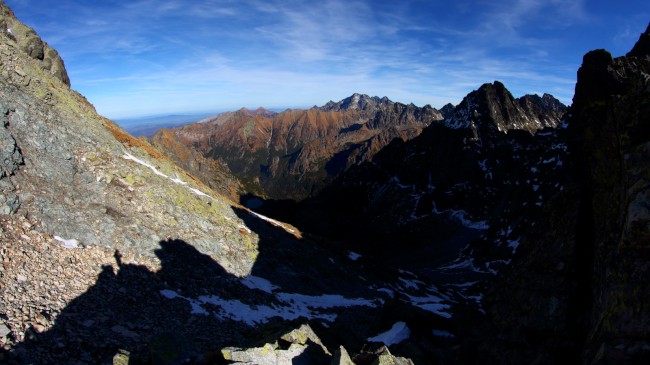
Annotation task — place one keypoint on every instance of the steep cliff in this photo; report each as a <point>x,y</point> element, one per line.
<point>578,289</point>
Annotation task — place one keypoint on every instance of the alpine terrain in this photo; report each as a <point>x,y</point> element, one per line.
<point>500,230</point>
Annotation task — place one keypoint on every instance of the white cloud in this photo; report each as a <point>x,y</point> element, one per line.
<point>146,55</point>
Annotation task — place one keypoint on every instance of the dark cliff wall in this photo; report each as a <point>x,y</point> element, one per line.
<point>578,289</point>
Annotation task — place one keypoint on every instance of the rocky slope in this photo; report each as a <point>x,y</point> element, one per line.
<point>212,172</point>
<point>294,154</point>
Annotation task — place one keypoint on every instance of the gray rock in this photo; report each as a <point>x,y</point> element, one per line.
<point>341,357</point>
<point>121,358</point>
<point>304,348</point>
<point>303,335</point>
<point>384,357</point>
<point>4,330</point>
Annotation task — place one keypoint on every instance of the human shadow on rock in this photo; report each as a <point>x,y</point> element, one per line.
<point>126,310</point>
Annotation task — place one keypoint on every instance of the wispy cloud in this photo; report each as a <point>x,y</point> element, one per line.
<point>144,55</point>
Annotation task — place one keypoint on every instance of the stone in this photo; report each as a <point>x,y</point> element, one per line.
<point>384,357</point>
<point>341,357</point>
<point>304,347</point>
<point>121,358</point>
<point>303,335</point>
<point>4,330</point>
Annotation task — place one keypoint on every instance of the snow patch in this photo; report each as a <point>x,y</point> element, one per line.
<point>398,333</point>
<point>69,244</point>
<point>176,180</point>
<point>255,282</point>
<point>552,159</point>
<point>291,306</point>
<point>354,256</point>
<point>387,291</point>
<point>430,303</point>
<point>272,221</point>
<point>513,244</point>
<point>460,215</point>
<point>411,283</point>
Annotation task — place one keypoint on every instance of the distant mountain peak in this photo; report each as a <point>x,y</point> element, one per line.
<point>260,111</point>
<point>493,106</point>
<point>357,101</point>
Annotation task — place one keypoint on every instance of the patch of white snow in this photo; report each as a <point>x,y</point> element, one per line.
<point>353,256</point>
<point>255,282</point>
<point>70,244</point>
<point>398,333</point>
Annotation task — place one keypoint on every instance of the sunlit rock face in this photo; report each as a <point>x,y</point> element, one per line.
<point>295,153</point>
<point>83,178</point>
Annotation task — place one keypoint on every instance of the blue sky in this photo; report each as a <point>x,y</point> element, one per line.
<point>148,57</point>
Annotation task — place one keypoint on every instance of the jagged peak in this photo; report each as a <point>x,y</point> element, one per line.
<point>357,101</point>
<point>493,104</point>
<point>642,46</point>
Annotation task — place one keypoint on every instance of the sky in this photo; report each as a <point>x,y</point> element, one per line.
<point>154,57</point>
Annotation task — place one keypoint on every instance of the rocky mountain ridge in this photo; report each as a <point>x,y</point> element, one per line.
<point>494,103</point>
<point>293,154</point>
<point>472,173</point>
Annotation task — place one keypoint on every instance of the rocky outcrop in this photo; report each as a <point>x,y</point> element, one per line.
<point>447,110</point>
<point>298,346</point>
<point>294,154</point>
<point>29,42</point>
<point>358,102</point>
<point>83,178</point>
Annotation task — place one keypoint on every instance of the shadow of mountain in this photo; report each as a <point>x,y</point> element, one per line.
<point>192,307</point>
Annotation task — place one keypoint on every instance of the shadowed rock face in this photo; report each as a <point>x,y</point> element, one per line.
<point>498,109</point>
<point>579,288</point>
<point>459,181</point>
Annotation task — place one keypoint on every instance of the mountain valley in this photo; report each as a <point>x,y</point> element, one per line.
<point>365,231</point>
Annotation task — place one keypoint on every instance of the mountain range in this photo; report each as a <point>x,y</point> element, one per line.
<point>295,153</point>
<point>500,230</point>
